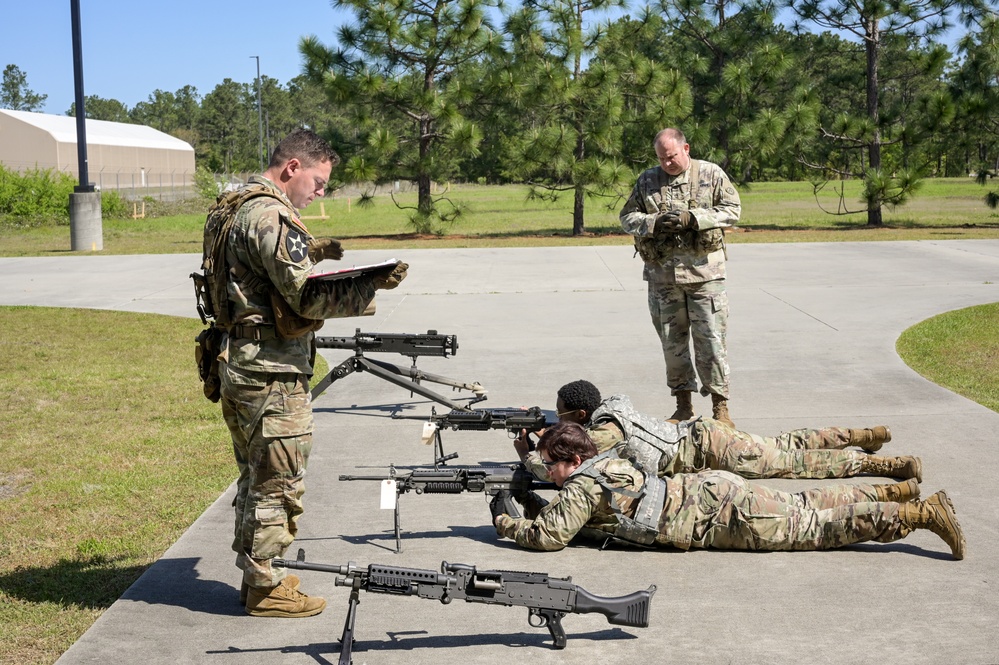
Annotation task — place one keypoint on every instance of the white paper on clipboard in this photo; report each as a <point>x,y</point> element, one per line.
<point>354,271</point>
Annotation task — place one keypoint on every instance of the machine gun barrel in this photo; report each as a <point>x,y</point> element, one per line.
<point>431,344</point>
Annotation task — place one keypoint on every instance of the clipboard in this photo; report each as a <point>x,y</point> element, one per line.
<point>354,271</point>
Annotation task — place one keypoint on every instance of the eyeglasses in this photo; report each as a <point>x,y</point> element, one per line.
<point>550,464</point>
<point>559,414</point>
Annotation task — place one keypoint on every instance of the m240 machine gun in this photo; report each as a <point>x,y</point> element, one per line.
<point>480,420</point>
<point>546,598</point>
<point>506,481</point>
<point>414,346</point>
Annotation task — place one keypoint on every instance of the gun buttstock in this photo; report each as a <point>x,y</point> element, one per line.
<point>630,610</point>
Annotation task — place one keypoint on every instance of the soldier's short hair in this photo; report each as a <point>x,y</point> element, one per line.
<point>580,394</point>
<point>306,146</point>
<point>565,440</point>
<point>671,133</point>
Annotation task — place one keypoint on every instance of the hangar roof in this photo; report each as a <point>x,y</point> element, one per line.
<point>62,128</point>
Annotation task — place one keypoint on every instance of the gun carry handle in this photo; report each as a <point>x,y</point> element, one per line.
<point>551,619</point>
<point>630,610</point>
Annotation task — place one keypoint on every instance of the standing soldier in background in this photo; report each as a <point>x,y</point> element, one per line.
<point>677,213</point>
<point>260,255</point>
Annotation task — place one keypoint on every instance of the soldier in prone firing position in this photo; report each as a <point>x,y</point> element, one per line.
<point>669,447</point>
<point>605,496</point>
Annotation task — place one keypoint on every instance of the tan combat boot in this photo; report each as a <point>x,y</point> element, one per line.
<point>282,601</point>
<point>290,580</point>
<point>898,492</point>
<point>893,467</point>
<point>684,408</point>
<point>719,410</point>
<point>936,514</point>
<point>870,439</point>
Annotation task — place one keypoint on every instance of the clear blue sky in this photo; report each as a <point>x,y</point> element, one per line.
<point>132,48</point>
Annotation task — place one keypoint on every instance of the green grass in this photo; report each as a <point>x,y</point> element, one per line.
<point>108,453</point>
<point>958,350</point>
<point>501,216</point>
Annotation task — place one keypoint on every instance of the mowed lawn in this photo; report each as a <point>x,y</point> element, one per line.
<point>502,216</point>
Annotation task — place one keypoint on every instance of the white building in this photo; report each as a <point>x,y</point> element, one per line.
<point>119,156</point>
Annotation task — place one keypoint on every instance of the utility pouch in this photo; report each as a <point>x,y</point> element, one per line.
<point>206,355</point>
<point>203,297</point>
<point>289,324</point>
<point>711,240</point>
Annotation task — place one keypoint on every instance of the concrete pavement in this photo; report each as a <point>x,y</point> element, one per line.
<point>812,334</point>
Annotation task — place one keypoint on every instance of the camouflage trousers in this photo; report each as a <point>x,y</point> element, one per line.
<point>699,310</point>
<point>730,513</point>
<point>801,453</point>
<point>270,421</point>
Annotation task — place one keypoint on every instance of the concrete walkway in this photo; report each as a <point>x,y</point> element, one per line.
<point>812,334</point>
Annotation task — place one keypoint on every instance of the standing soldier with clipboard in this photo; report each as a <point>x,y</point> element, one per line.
<point>258,256</point>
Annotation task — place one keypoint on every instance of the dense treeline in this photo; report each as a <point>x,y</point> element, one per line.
<point>551,94</point>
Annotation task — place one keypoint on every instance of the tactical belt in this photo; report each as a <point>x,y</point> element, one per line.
<point>258,333</point>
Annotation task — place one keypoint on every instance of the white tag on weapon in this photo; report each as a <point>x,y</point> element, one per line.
<point>429,429</point>
<point>388,494</point>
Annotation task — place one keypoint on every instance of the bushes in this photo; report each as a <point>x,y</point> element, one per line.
<point>113,206</point>
<point>35,196</point>
<point>40,196</point>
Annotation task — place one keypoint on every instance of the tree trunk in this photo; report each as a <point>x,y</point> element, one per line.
<point>425,204</point>
<point>872,47</point>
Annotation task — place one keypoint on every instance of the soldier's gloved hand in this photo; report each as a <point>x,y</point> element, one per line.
<point>391,277</point>
<point>325,248</point>
<point>502,504</point>
<point>673,221</point>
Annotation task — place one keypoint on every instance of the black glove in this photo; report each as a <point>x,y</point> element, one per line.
<point>390,277</point>
<point>502,504</point>
<point>674,221</point>
<point>325,248</point>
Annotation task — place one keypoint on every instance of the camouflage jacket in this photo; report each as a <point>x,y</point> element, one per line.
<point>584,504</point>
<point>687,257</point>
<point>269,239</point>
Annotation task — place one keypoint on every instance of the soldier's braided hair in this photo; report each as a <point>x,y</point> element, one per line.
<point>580,394</point>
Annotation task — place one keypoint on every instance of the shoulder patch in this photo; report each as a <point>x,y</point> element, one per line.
<point>730,190</point>
<point>294,244</point>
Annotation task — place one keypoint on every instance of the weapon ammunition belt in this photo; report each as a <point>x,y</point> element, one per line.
<point>259,333</point>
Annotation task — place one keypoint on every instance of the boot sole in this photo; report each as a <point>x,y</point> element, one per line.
<point>950,515</point>
<point>285,615</point>
<point>874,447</point>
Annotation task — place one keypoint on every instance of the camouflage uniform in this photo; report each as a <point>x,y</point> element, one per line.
<point>713,509</point>
<point>711,444</point>
<point>686,271</point>
<point>265,394</point>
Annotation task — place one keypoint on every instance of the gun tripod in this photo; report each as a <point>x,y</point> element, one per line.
<point>411,346</point>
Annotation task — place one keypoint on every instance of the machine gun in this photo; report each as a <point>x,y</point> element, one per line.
<point>546,598</point>
<point>431,344</point>
<point>479,420</point>
<point>505,481</point>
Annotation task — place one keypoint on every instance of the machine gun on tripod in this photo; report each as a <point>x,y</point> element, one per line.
<point>413,346</point>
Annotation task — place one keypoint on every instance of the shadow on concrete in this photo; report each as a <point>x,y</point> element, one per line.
<point>328,652</point>
<point>176,582</point>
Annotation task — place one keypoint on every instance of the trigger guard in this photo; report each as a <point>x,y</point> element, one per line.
<point>542,620</point>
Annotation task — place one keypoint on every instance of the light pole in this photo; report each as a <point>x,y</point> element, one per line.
<point>85,228</point>
<point>260,118</point>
